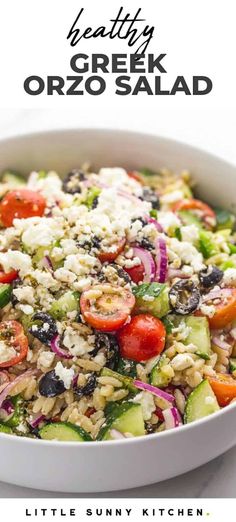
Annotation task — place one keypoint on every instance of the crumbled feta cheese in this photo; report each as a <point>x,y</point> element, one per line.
<point>76,343</point>
<point>80,264</point>
<point>171,197</point>
<point>181,362</point>
<point>6,352</point>
<point>168,220</point>
<point>187,253</point>
<point>208,310</point>
<point>45,279</point>
<point>13,259</point>
<point>64,374</point>
<point>66,276</point>
<point>190,233</point>
<point>146,400</point>
<point>45,359</point>
<point>25,294</point>
<point>229,278</point>
<point>45,233</point>
<point>26,309</point>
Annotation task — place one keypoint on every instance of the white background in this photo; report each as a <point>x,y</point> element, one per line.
<point>199,38</point>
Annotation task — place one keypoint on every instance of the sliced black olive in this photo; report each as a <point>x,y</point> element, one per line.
<point>89,387</point>
<point>50,385</point>
<point>150,428</point>
<point>184,297</point>
<point>94,242</point>
<point>15,284</point>
<point>71,183</point>
<point>109,344</point>
<point>145,243</point>
<point>210,276</point>
<point>44,327</point>
<point>152,197</point>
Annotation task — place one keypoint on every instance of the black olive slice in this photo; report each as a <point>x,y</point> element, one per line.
<point>210,276</point>
<point>71,183</point>
<point>152,197</point>
<point>50,385</point>
<point>89,387</point>
<point>109,344</point>
<point>44,327</point>
<point>184,297</point>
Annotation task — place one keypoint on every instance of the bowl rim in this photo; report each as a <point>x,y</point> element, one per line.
<point>143,438</point>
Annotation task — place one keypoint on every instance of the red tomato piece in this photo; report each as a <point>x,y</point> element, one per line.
<point>142,338</point>
<point>106,307</point>
<point>8,277</point>
<point>224,387</point>
<point>21,203</point>
<point>12,334</point>
<point>111,256</point>
<point>195,204</point>
<point>136,273</point>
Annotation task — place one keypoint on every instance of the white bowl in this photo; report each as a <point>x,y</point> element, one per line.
<point>107,466</point>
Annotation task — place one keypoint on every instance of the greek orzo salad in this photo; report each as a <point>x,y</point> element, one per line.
<point>118,304</point>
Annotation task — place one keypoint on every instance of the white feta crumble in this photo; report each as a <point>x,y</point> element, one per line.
<point>208,310</point>
<point>146,400</point>
<point>168,220</point>
<point>6,352</point>
<point>44,233</point>
<point>80,264</point>
<point>181,362</point>
<point>229,278</point>
<point>76,343</point>
<point>171,197</point>
<point>64,374</point>
<point>190,233</point>
<point>26,309</point>
<point>13,259</point>
<point>64,275</point>
<point>45,279</point>
<point>45,359</point>
<point>187,253</point>
<point>25,293</point>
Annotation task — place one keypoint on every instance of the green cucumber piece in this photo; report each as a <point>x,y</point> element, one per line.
<point>159,306</point>
<point>93,193</point>
<point>5,429</point>
<point>232,365</point>
<point>13,178</point>
<point>127,367</point>
<point>207,244</point>
<point>126,381</point>
<point>5,294</point>
<point>157,378</point>
<point>127,417</point>
<point>69,302</point>
<point>199,335</point>
<point>17,416</point>
<point>64,431</point>
<point>224,219</point>
<point>200,403</point>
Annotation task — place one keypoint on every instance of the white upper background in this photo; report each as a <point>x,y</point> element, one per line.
<point>198,37</point>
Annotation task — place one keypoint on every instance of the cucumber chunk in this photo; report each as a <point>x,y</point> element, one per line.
<point>5,294</point>
<point>16,418</point>
<point>69,302</point>
<point>200,403</point>
<point>13,178</point>
<point>126,417</point>
<point>124,379</point>
<point>64,431</point>
<point>159,306</point>
<point>157,377</point>
<point>199,335</point>
<point>5,429</point>
<point>232,365</point>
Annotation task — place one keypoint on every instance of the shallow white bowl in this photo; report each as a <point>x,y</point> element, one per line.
<point>106,466</point>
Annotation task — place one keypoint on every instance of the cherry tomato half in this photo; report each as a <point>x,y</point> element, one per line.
<point>136,273</point>
<point>111,256</point>
<point>142,338</point>
<point>195,204</point>
<point>8,277</point>
<point>106,307</point>
<point>224,387</point>
<point>21,203</point>
<point>225,311</point>
<point>12,334</point>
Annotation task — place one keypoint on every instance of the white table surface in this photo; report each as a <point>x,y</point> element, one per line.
<point>212,130</point>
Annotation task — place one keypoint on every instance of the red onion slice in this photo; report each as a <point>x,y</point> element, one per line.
<point>55,347</point>
<point>161,260</point>
<point>7,407</point>
<point>47,263</point>
<point>221,344</point>
<point>176,272</point>
<point>216,294</point>
<point>12,384</point>
<point>154,390</point>
<point>155,223</point>
<point>37,420</point>
<point>148,263</point>
<point>172,418</point>
<point>116,435</point>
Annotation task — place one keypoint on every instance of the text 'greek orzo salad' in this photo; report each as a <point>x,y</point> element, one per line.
<point>118,305</point>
